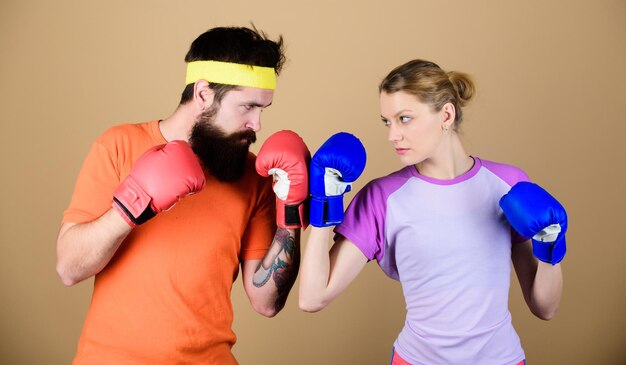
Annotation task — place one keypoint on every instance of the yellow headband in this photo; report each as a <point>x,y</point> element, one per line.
<point>231,74</point>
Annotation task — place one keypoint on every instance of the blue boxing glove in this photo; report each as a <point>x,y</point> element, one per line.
<point>533,212</point>
<point>335,165</point>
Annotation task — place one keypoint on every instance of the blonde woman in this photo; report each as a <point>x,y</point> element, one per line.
<point>447,226</point>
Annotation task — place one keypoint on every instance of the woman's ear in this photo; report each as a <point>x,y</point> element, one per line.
<point>448,115</point>
<point>202,95</point>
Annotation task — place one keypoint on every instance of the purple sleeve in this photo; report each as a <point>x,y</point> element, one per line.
<point>364,221</point>
<point>508,173</point>
<point>511,175</point>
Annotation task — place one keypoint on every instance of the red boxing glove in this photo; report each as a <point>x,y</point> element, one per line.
<point>159,178</point>
<point>284,155</point>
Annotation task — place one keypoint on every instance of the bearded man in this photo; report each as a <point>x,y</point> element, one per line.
<point>164,212</point>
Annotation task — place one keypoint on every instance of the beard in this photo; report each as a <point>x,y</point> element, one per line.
<point>224,156</point>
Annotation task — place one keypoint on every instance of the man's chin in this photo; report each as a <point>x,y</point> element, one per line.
<point>227,166</point>
<point>245,142</point>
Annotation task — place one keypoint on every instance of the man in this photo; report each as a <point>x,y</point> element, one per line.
<point>164,212</point>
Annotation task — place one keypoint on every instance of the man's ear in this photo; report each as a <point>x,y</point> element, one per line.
<point>202,95</point>
<point>448,115</point>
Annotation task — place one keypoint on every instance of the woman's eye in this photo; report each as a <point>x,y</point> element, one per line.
<point>385,122</point>
<point>405,119</point>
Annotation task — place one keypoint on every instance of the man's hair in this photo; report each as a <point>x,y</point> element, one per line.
<point>237,45</point>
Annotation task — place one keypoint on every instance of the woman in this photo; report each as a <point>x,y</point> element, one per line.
<point>440,228</point>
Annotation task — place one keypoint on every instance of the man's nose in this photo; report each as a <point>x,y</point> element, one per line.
<point>254,123</point>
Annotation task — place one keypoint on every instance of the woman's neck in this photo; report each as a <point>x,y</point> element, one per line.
<point>448,162</point>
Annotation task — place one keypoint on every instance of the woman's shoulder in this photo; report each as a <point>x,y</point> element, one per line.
<point>388,183</point>
<point>511,174</point>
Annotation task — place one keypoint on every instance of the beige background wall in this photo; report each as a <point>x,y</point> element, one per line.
<point>551,93</point>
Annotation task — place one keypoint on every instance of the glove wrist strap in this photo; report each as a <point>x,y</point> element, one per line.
<point>326,211</point>
<point>550,252</point>
<point>129,218</point>
<point>291,216</point>
<point>133,202</point>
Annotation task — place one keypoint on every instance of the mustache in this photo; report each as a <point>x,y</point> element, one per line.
<point>247,135</point>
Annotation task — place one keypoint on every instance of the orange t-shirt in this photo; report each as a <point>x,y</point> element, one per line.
<point>165,296</point>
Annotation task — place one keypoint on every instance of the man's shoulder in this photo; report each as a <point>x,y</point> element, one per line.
<point>128,129</point>
<point>123,133</point>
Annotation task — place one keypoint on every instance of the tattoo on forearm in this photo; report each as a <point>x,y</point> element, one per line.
<point>280,263</point>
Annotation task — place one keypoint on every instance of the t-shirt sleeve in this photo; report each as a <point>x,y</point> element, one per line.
<point>363,222</point>
<point>261,227</point>
<point>511,175</point>
<point>97,180</point>
<point>517,175</point>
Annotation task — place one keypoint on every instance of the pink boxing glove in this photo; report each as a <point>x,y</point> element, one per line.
<point>160,177</point>
<point>285,156</point>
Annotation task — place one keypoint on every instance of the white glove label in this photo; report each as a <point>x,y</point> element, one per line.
<point>333,184</point>
<point>281,183</point>
<point>548,234</point>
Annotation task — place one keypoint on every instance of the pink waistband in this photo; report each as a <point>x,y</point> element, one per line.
<point>397,360</point>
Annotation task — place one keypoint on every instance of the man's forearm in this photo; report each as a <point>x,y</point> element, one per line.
<point>279,267</point>
<point>83,250</point>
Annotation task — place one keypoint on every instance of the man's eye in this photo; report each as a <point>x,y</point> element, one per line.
<point>248,107</point>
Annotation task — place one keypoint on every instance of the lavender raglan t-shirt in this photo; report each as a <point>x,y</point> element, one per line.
<point>449,244</point>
